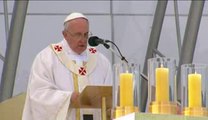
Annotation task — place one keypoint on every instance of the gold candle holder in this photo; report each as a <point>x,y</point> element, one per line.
<point>117,112</point>
<point>130,109</point>
<point>195,111</point>
<point>126,95</point>
<point>194,89</point>
<point>163,108</point>
<point>121,111</point>
<point>162,86</point>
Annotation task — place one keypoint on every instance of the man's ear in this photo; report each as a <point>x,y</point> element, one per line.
<point>64,34</point>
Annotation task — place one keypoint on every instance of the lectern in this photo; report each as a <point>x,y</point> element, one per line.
<point>96,97</point>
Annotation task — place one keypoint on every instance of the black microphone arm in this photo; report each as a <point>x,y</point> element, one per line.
<point>95,41</point>
<point>112,50</point>
<point>109,48</point>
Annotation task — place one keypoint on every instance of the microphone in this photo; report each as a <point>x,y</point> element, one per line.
<point>95,41</point>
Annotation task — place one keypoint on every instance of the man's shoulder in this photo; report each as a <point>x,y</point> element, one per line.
<point>47,52</point>
<point>48,49</point>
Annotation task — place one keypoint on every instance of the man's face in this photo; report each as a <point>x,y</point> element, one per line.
<point>76,34</point>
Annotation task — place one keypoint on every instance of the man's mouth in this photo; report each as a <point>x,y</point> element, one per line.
<point>81,45</point>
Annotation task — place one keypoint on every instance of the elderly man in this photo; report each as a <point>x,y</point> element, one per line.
<point>61,71</point>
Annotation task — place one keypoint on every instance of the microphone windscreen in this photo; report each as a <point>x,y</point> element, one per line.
<point>93,41</point>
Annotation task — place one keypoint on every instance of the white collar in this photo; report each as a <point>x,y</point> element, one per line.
<point>83,56</point>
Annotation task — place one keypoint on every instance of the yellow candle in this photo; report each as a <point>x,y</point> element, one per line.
<point>194,90</point>
<point>162,84</point>
<point>126,89</point>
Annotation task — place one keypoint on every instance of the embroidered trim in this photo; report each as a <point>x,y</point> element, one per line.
<point>84,70</point>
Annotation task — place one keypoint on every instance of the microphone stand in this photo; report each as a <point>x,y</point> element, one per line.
<point>112,50</point>
<point>108,47</point>
<point>121,56</point>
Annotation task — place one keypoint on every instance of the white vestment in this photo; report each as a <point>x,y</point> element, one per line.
<point>50,85</point>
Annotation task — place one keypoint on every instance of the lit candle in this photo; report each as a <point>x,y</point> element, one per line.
<point>162,84</point>
<point>126,89</point>
<point>194,90</point>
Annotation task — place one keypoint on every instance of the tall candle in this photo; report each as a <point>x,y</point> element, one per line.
<point>126,89</point>
<point>162,84</point>
<point>194,90</point>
